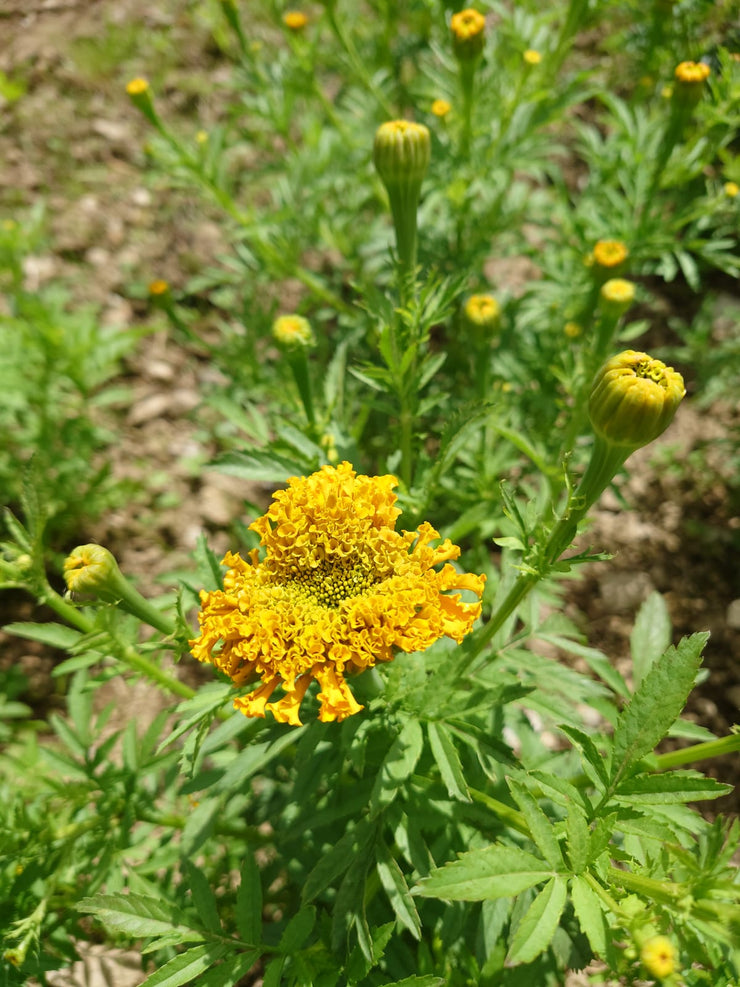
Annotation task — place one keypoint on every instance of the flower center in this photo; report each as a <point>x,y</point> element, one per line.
<point>331,583</point>
<point>651,370</point>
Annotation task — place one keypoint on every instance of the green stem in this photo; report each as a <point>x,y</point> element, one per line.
<point>511,816</point>
<point>298,360</point>
<point>698,752</point>
<point>357,63</point>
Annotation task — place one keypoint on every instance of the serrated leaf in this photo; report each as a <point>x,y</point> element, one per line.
<point>395,886</point>
<point>185,967</point>
<point>448,761</point>
<point>495,871</point>
<point>536,929</point>
<point>397,765</point>
<point>655,705</point>
<point>677,786</point>
<point>203,897</point>
<point>337,859</point>
<point>578,838</point>
<point>587,906</point>
<point>426,981</point>
<point>650,636</point>
<point>540,827</point>
<point>230,971</point>
<point>138,915</point>
<point>55,635</point>
<point>248,912</point>
<point>298,930</point>
<point>254,758</point>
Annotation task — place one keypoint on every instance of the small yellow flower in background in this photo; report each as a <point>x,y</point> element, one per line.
<point>337,591</point>
<point>658,955</point>
<point>666,92</point>
<point>483,312</point>
<point>468,33</point>
<point>634,398</point>
<point>158,288</point>
<point>295,20</point>
<point>692,73</point>
<point>137,86</point>
<point>731,189</point>
<point>202,137</point>
<point>610,253</point>
<point>293,331</point>
<point>440,107</point>
<point>532,57</point>
<point>616,296</point>
<point>572,330</point>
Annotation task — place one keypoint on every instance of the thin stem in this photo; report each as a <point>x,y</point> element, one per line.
<point>357,63</point>
<point>698,752</point>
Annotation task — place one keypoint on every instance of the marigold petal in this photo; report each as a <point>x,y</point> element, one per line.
<point>254,703</point>
<point>286,709</point>
<point>337,702</point>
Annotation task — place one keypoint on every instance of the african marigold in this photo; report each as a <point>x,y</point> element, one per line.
<point>658,955</point>
<point>468,33</point>
<point>610,253</point>
<point>337,590</point>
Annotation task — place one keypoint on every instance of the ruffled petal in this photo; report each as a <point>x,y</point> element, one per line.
<point>337,702</point>
<point>254,703</point>
<point>286,709</point>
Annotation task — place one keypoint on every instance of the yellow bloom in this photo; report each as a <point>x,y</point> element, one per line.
<point>338,590</point>
<point>610,253</point>
<point>137,86</point>
<point>401,152</point>
<point>158,288</point>
<point>532,57</point>
<point>202,137</point>
<point>293,331</point>
<point>731,190</point>
<point>692,73</point>
<point>468,33</point>
<point>572,330</point>
<point>634,398</point>
<point>616,296</point>
<point>658,955</point>
<point>483,312</point>
<point>440,107</point>
<point>295,20</point>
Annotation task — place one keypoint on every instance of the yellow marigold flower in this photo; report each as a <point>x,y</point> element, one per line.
<point>293,331</point>
<point>337,591</point>
<point>616,296</point>
<point>295,20</point>
<point>610,253</point>
<point>532,57</point>
<point>483,312</point>
<point>634,398</point>
<point>202,137</point>
<point>158,288</point>
<point>468,33</point>
<point>731,190</point>
<point>440,107</point>
<point>572,330</point>
<point>692,73</point>
<point>137,86</point>
<point>658,955</point>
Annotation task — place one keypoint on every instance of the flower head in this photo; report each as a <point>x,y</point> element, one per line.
<point>658,955</point>
<point>616,296</point>
<point>468,33</point>
<point>572,330</point>
<point>158,288</point>
<point>609,253</point>
<point>401,152</point>
<point>293,331</point>
<point>689,84</point>
<point>532,57</point>
<point>483,312</point>
<point>295,20</point>
<point>634,398</point>
<point>731,190</point>
<point>91,570</point>
<point>136,87</point>
<point>440,108</point>
<point>337,591</point>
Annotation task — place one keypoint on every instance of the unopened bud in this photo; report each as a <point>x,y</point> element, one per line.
<point>634,399</point>
<point>92,571</point>
<point>608,254</point>
<point>689,83</point>
<point>483,312</point>
<point>401,153</point>
<point>293,332</point>
<point>616,296</point>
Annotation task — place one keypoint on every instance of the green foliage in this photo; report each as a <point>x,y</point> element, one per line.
<point>502,811</point>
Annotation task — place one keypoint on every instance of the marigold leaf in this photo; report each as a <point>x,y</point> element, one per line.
<point>297,930</point>
<point>426,981</point>
<point>590,915</point>
<point>448,761</point>
<point>185,967</point>
<point>656,704</point>
<point>678,786</point>
<point>398,764</point>
<point>578,838</point>
<point>395,886</point>
<point>248,912</point>
<point>336,860</point>
<point>495,871</point>
<point>536,929</point>
<point>650,636</point>
<point>540,827</point>
<point>138,915</point>
<point>64,638</point>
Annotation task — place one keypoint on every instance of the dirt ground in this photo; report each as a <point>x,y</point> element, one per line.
<point>74,142</point>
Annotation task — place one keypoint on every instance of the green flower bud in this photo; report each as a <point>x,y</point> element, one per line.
<point>92,571</point>
<point>633,399</point>
<point>401,152</point>
<point>140,94</point>
<point>293,331</point>
<point>689,83</point>
<point>616,296</point>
